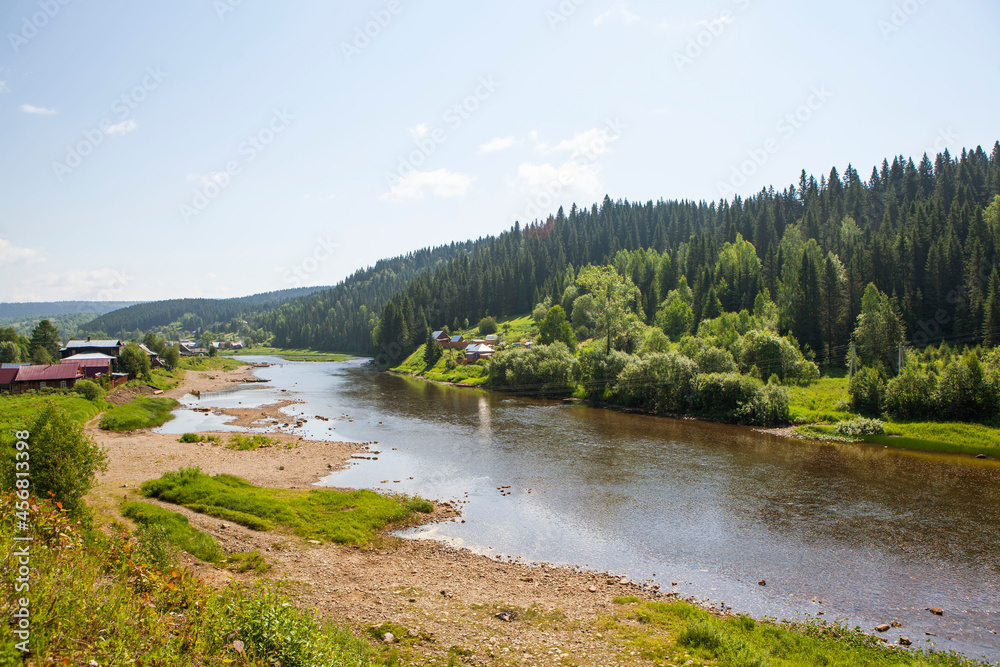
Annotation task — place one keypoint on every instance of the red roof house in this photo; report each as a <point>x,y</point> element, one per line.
<point>54,376</point>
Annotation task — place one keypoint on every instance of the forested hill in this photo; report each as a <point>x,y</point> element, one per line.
<point>925,233</point>
<point>203,312</point>
<point>54,308</point>
<point>342,318</point>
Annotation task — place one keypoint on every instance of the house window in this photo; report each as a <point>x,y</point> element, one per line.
<point>62,384</point>
<point>41,385</point>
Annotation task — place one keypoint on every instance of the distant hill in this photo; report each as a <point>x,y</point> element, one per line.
<point>148,316</point>
<point>43,309</point>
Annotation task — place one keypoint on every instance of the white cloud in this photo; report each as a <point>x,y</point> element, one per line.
<point>12,254</point>
<point>419,131</point>
<point>579,174</point>
<point>498,144</point>
<point>97,284</point>
<point>3,87</point>
<point>441,183</point>
<point>28,108</point>
<point>123,127</point>
<point>593,143</point>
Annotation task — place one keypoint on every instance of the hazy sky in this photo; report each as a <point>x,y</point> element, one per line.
<point>226,147</point>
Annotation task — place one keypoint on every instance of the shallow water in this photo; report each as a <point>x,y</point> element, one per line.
<point>861,533</point>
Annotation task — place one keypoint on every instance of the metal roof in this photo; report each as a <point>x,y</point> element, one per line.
<point>51,373</point>
<point>88,355</point>
<point>457,339</point>
<point>7,375</point>
<point>92,343</point>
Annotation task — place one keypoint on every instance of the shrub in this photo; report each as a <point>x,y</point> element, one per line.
<point>911,395</point>
<point>487,326</point>
<point>867,390</point>
<point>772,353</point>
<point>967,393</point>
<point>715,360</point>
<point>64,460</point>
<point>860,426</point>
<point>542,367</point>
<point>601,370</point>
<point>657,382</point>
<point>89,389</point>
<point>134,361</point>
<point>192,437</point>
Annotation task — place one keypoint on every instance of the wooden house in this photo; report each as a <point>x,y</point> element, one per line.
<point>53,376</point>
<point>93,365</point>
<point>112,348</point>
<point>477,351</point>
<point>7,376</point>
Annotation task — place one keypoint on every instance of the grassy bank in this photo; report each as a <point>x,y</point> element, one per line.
<point>98,600</point>
<point>289,354</point>
<point>471,375</point>
<point>17,411</point>
<point>341,517</point>
<point>146,412</point>
<point>217,363</point>
<point>679,633</point>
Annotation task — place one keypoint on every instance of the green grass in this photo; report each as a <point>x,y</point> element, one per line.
<point>145,412</point>
<point>466,374</point>
<point>819,401</point>
<point>342,517</point>
<point>290,354</point>
<point>104,600</point>
<point>218,363</point>
<point>165,379</point>
<point>676,632</point>
<point>245,443</point>
<point>176,529</point>
<point>248,561</point>
<point>16,412</point>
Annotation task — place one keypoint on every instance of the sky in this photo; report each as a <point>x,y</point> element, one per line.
<point>219,148</point>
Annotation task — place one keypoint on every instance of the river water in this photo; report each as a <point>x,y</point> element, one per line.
<point>860,533</point>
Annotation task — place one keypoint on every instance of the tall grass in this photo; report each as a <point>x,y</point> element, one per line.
<point>106,600</point>
<point>144,412</point>
<point>353,517</point>
<point>176,530</point>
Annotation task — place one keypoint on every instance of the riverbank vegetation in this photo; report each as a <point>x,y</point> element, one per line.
<point>340,517</point>
<point>288,354</point>
<point>145,412</point>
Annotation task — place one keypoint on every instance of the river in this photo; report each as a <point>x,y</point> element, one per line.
<point>860,533</point>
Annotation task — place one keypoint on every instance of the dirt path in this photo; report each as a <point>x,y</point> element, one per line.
<point>443,603</point>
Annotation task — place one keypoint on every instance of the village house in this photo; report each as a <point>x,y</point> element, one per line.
<point>94,364</point>
<point>53,376</point>
<point>7,376</point>
<point>455,343</point>
<point>112,348</point>
<point>476,351</point>
<point>441,337</point>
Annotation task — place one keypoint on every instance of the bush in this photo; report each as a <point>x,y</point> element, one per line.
<point>715,360</point>
<point>134,361</point>
<point>539,368</point>
<point>487,326</point>
<point>64,460</point>
<point>967,393</point>
<point>911,395</point>
<point>772,353</point>
<point>657,382</point>
<point>601,370</point>
<point>867,390</point>
<point>860,426</point>
<point>192,437</point>
<point>89,389</point>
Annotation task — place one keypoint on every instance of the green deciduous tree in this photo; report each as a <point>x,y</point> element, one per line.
<point>134,361</point>
<point>555,327</point>
<point>616,299</point>
<point>64,460</point>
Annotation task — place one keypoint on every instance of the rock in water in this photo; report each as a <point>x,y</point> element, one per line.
<point>904,641</point>
<point>936,611</point>
<point>882,628</point>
